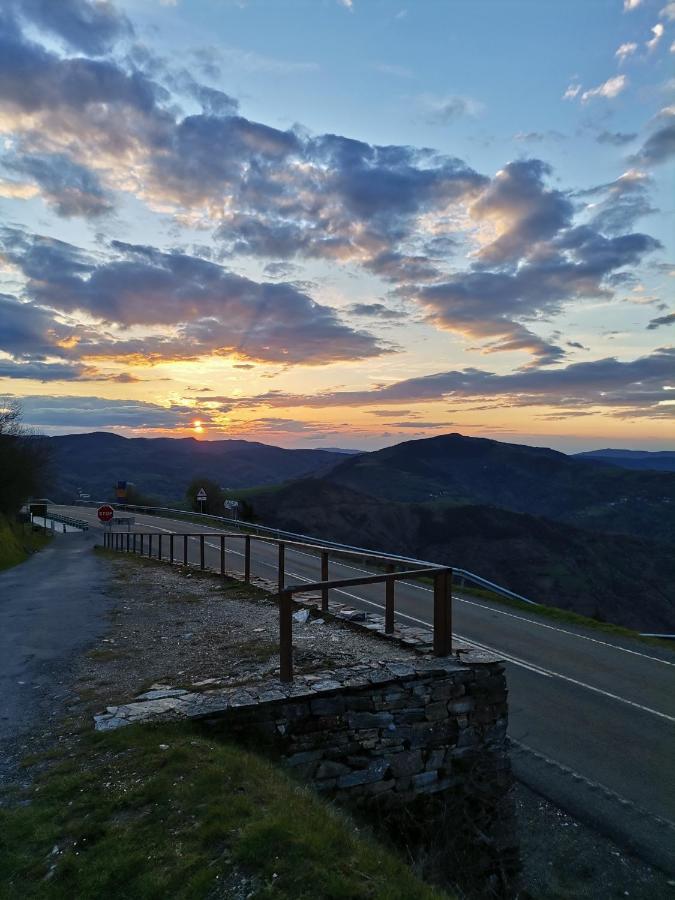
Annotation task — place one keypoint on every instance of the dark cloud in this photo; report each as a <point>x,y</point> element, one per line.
<point>615,138</point>
<point>375,310</point>
<point>533,212</point>
<point>96,412</point>
<point>70,188</point>
<point>203,307</point>
<point>42,371</point>
<point>662,320</point>
<point>660,145</point>
<point>621,388</point>
<point>621,203</point>
<point>90,27</point>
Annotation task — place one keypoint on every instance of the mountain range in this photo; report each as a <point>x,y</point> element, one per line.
<point>578,532</point>
<point>163,467</point>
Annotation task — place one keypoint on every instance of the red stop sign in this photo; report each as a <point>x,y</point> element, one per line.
<point>105,513</point>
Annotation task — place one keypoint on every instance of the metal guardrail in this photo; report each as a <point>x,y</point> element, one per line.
<point>316,543</point>
<point>138,541</point>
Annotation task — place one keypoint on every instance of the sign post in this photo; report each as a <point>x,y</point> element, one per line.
<point>201,496</point>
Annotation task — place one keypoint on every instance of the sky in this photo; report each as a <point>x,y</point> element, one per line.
<point>340,223</point>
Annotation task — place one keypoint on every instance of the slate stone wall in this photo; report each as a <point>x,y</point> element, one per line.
<point>387,741</point>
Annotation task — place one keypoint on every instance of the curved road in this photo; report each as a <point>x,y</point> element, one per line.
<point>591,716</point>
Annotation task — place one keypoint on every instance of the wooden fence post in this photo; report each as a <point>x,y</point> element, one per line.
<point>282,566</point>
<point>247,559</point>
<point>171,549</point>
<point>285,636</point>
<point>201,551</point>
<point>390,585</point>
<point>222,554</point>
<point>185,550</point>
<point>324,577</point>
<point>443,613</point>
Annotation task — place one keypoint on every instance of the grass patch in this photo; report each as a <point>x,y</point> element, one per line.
<point>564,615</point>
<point>120,817</point>
<point>18,541</point>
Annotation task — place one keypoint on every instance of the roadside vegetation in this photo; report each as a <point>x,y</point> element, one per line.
<point>168,811</point>
<point>17,541</point>
<point>23,464</point>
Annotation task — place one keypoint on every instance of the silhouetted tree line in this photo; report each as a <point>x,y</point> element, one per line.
<point>24,458</point>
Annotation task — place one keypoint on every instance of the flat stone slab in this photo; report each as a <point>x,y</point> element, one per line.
<point>177,703</point>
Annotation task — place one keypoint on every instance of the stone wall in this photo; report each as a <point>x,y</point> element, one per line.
<point>428,737</point>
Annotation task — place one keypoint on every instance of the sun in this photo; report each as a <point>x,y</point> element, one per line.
<point>197,426</point>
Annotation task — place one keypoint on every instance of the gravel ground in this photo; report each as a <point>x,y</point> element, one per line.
<point>197,631</point>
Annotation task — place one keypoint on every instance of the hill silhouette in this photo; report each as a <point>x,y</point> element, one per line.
<point>163,467</point>
<point>534,480</point>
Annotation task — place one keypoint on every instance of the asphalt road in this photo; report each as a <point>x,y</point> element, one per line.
<point>51,607</point>
<point>592,716</point>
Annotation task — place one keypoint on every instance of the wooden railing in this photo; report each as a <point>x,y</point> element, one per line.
<point>176,551</point>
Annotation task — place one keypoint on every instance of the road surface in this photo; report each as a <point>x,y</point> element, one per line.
<point>591,715</point>
<point>51,607</point>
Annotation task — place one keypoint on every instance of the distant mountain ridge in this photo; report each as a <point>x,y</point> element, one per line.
<point>657,460</point>
<point>163,467</point>
<point>612,577</point>
<point>536,481</point>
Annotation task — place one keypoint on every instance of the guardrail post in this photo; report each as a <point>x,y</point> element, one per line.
<point>390,586</point>
<point>324,577</point>
<point>222,554</point>
<point>285,636</point>
<point>247,559</point>
<point>170,549</point>
<point>443,613</point>
<point>128,541</point>
<point>159,548</point>
<point>281,566</point>
<point>134,543</point>
<point>149,545</point>
<point>201,551</point>
<point>142,537</point>
<point>185,559</point>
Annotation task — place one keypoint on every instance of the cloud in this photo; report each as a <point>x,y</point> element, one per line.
<point>198,307</point>
<point>90,27</point>
<point>443,110</point>
<point>68,187</point>
<point>522,208</point>
<point>622,202</point>
<point>657,31</point>
<point>572,91</point>
<point>668,12</point>
<point>615,138</point>
<point>375,310</point>
<point>629,5</point>
<point>96,412</point>
<point>660,145</point>
<point>538,137</point>
<point>662,320</point>
<point>608,89</point>
<point>636,387</point>
<point>625,50</point>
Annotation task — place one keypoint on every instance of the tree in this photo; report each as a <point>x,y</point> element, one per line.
<point>24,458</point>
<point>214,496</point>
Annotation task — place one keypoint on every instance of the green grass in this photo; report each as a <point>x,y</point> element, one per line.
<point>18,541</point>
<point>119,817</point>
<point>534,610</point>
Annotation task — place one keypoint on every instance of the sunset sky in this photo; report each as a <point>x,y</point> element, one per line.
<point>323,223</point>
